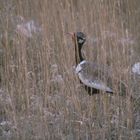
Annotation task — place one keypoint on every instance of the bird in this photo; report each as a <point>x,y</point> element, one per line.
<point>93,76</point>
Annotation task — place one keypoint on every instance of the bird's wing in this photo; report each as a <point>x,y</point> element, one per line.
<point>96,76</point>
<point>97,84</point>
<point>96,71</point>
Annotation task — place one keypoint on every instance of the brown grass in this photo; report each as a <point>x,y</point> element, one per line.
<point>40,95</point>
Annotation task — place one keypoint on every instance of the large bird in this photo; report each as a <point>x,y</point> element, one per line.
<point>95,77</point>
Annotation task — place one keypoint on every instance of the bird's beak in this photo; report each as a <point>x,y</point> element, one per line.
<point>71,34</point>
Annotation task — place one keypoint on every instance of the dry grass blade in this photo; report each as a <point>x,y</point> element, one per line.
<point>40,95</point>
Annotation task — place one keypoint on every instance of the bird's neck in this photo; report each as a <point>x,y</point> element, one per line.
<point>78,53</point>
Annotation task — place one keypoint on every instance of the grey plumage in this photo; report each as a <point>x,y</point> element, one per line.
<point>95,76</point>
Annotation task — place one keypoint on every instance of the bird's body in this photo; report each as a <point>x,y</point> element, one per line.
<point>94,75</point>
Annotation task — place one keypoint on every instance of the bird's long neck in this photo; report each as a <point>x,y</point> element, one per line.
<point>78,53</point>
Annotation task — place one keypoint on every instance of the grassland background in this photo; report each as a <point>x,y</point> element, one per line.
<point>40,95</point>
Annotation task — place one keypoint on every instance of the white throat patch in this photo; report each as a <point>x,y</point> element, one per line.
<point>80,41</point>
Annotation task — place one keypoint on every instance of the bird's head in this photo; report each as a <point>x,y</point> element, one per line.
<point>80,37</point>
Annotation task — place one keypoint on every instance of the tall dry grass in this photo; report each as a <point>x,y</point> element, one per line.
<point>40,95</point>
